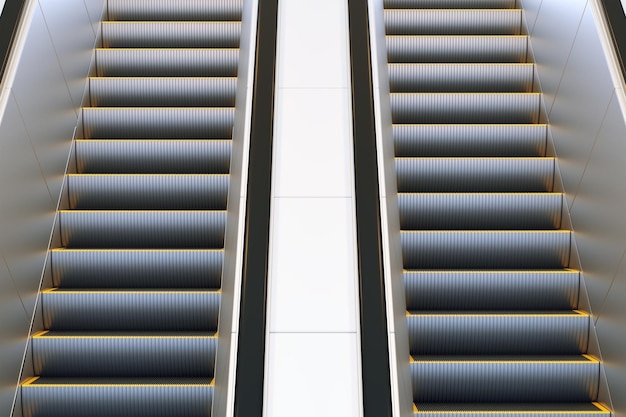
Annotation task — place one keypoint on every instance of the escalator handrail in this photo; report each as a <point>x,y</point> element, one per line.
<point>9,24</point>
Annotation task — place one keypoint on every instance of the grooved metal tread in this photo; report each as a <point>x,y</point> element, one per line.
<point>492,303</point>
<point>130,324</point>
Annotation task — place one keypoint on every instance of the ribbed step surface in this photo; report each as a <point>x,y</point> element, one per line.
<point>492,305</point>
<point>130,325</point>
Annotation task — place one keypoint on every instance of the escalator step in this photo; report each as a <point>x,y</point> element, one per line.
<point>161,62</point>
<point>481,379</point>
<point>142,229</point>
<point>476,211</point>
<point>475,174</point>
<point>465,49</point>
<point>163,92</point>
<point>453,22</point>
<point>456,78</point>
<point>171,34</point>
<point>492,290</point>
<point>147,156</point>
<point>123,354</point>
<point>120,397</point>
<point>179,10</point>
<point>449,4</point>
<point>466,249</point>
<point>470,140</point>
<point>489,333</point>
<point>512,409</point>
<point>125,268</point>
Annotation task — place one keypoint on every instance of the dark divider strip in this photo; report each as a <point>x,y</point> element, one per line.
<point>374,347</point>
<point>9,22</point>
<point>251,346</point>
<point>617,25</point>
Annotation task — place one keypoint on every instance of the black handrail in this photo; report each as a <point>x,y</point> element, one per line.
<point>374,348</point>
<point>616,19</point>
<point>251,346</point>
<point>9,23</point>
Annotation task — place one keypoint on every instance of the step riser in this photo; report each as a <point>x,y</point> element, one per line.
<point>153,157</point>
<point>138,192</point>
<point>497,335</point>
<point>485,250</point>
<point>130,311</point>
<point>142,229</point>
<point>179,10</point>
<point>508,382</point>
<point>474,175</point>
<point>470,140</point>
<point>449,4</point>
<point>166,62</point>
<point>457,49</point>
<point>454,22</point>
<point>480,211</point>
<point>454,78</point>
<point>171,35</point>
<point>124,357</point>
<point>107,401</point>
<point>485,290</point>
<point>163,92</point>
<point>137,269</point>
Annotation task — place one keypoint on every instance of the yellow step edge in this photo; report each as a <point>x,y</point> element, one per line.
<point>492,272</point>
<point>570,313</point>
<point>41,335</point>
<point>464,193</point>
<point>473,232</point>
<point>148,175</point>
<point>477,158</point>
<point>153,140</point>
<point>466,93</point>
<point>167,49</point>
<point>163,78</point>
<point>462,64</point>
<point>447,125</point>
<point>191,22</point>
<point>142,291</point>
<point>458,36</point>
<point>590,360</point>
<point>30,381</point>
<point>136,250</point>
<point>157,108</point>
<point>143,211</point>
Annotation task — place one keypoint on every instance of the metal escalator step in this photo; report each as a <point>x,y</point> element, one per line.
<point>502,333</point>
<point>122,354</point>
<point>179,10</point>
<point>480,211</point>
<point>162,92</point>
<point>171,34</point>
<point>142,229</point>
<point>145,156</point>
<point>492,290</point>
<point>120,397</point>
<point>449,4</point>
<point>586,409</point>
<point>509,108</point>
<point>161,62</point>
<point>467,48</point>
<point>158,123</point>
<point>453,22</point>
<point>514,379</point>
<point>470,140</point>
<point>140,310</point>
<point>474,174</point>
<point>148,192</point>
<point>486,249</point>
<point>75,268</point>
<point>455,78</point>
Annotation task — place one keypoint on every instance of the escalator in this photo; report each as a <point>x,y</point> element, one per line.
<point>130,317</point>
<point>494,320</point>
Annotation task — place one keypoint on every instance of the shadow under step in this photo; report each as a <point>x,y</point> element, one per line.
<point>123,354</point>
<point>492,290</point>
<point>120,397</point>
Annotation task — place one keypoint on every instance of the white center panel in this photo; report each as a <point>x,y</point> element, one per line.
<point>313,351</point>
